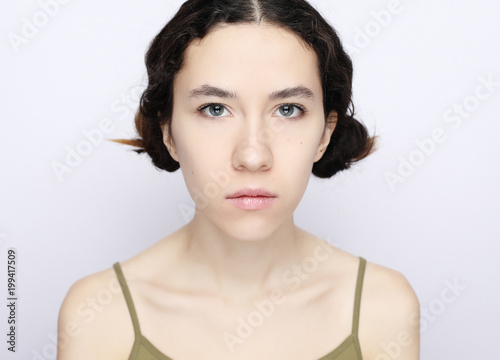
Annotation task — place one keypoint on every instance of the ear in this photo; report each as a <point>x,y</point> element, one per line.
<point>331,122</point>
<point>169,141</point>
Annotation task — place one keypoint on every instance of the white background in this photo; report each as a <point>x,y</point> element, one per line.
<point>437,226</point>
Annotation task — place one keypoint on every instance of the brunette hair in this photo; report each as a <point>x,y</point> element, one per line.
<point>350,140</point>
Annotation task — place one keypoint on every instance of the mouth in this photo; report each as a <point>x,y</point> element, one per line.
<point>251,193</point>
<point>252,199</point>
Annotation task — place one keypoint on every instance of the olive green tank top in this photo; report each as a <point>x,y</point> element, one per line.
<point>144,350</point>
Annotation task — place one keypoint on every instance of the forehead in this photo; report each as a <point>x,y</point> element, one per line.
<point>249,55</point>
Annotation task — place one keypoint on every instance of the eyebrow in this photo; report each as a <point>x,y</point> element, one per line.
<point>209,90</point>
<point>297,91</point>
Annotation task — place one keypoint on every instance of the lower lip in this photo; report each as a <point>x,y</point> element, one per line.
<point>252,202</point>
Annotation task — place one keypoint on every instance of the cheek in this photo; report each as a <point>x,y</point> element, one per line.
<point>199,156</point>
<point>294,157</point>
<point>299,147</point>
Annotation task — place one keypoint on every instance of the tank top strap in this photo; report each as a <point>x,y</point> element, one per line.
<point>357,296</point>
<point>128,299</point>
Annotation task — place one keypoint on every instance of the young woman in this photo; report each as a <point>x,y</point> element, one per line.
<point>247,97</point>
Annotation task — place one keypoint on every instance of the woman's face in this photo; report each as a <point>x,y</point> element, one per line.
<point>247,126</point>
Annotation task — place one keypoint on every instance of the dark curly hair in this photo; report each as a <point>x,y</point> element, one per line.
<point>350,140</point>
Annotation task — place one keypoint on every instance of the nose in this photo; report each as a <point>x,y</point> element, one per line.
<point>253,151</point>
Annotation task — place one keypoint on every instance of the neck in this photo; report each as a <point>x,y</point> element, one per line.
<point>241,269</point>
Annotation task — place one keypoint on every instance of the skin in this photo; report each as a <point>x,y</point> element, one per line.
<point>190,287</point>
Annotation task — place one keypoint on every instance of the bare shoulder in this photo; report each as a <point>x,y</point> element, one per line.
<point>93,309</point>
<point>388,285</point>
<point>389,309</point>
<point>389,315</point>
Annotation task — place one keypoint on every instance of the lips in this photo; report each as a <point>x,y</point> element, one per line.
<point>252,199</point>
<point>252,192</point>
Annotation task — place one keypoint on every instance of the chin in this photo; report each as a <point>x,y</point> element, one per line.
<point>247,225</point>
<point>253,229</point>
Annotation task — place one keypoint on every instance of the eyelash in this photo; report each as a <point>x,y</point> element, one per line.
<point>302,110</point>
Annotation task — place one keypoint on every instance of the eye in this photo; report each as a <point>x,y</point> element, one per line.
<point>214,110</point>
<point>290,111</point>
